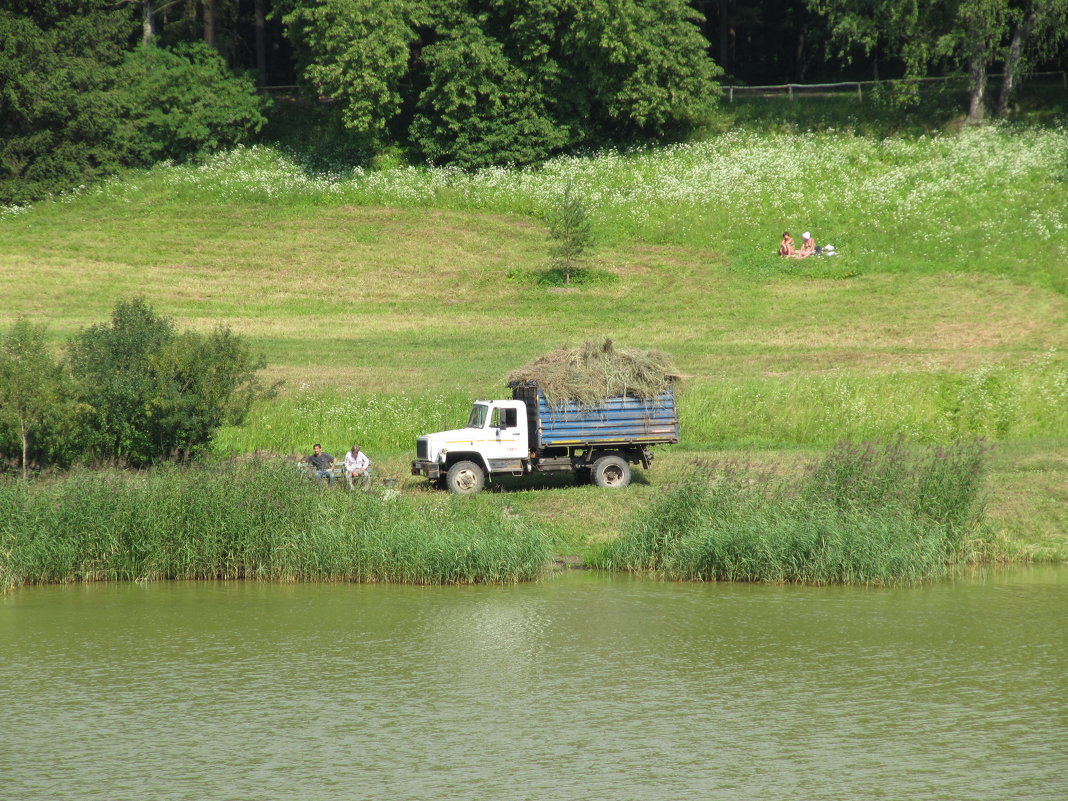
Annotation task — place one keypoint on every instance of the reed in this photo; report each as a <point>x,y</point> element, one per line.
<point>874,514</point>
<point>252,520</point>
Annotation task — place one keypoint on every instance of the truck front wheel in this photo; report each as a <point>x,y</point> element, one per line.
<point>611,471</point>
<point>465,478</point>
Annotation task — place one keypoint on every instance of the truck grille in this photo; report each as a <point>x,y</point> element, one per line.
<point>422,450</point>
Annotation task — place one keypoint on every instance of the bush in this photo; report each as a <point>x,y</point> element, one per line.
<point>152,393</point>
<point>184,103</point>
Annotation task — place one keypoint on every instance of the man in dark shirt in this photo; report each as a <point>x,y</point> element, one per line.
<point>322,463</point>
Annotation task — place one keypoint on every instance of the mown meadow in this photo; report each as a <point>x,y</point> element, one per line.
<point>387,298</point>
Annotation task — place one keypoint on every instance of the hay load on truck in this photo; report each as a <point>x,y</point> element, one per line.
<point>591,411</point>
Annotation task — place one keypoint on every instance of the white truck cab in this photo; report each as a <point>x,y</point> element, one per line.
<point>495,440</point>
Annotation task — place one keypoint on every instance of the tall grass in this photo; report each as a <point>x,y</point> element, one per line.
<point>255,520</point>
<point>994,402</point>
<point>378,422</point>
<point>884,514</point>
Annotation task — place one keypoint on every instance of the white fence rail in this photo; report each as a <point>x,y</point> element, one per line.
<point>858,86</point>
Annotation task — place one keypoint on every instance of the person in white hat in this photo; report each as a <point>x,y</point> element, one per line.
<point>808,246</point>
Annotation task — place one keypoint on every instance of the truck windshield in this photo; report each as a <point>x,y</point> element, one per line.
<point>478,416</point>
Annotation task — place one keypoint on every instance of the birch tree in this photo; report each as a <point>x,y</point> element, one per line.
<point>30,381</point>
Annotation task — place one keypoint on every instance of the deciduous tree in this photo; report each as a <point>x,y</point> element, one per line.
<point>30,383</point>
<point>154,393</point>
<point>478,82</point>
<point>184,102</point>
<point>969,35</point>
<point>1039,28</point>
<point>357,52</point>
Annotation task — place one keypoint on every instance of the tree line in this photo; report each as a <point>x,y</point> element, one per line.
<point>132,391</point>
<point>88,87</point>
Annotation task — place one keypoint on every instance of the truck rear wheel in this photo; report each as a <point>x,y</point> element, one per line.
<point>611,471</point>
<point>465,478</point>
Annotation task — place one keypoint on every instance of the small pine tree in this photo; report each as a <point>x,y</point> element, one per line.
<point>571,230</point>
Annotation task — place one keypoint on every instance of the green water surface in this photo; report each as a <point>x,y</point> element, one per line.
<point>580,686</point>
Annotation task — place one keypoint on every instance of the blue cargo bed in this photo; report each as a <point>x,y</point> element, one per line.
<point>619,420</point>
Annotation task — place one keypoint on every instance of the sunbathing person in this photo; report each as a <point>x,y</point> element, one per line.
<point>786,247</point>
<point>808,247</point>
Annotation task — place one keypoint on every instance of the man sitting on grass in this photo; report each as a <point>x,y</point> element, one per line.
<point>322,463</point>
<point>357,465</point>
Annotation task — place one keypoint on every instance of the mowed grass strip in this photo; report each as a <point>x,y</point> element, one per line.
<point>382,313</point>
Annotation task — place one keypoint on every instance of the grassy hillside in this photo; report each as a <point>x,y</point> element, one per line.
<point>387,299</point>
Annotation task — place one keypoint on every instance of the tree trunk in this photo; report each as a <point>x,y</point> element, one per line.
<point>25,431</point>
<point>1020,37</point>
<point>209,22</point>
<point>148,22</point>
<point>724,36</point>
<point>261,42</point>
<point>977,104</point>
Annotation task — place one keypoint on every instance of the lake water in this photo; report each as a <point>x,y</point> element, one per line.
<point>581,686</point>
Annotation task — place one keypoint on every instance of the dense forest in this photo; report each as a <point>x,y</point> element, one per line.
<point>88,87</point>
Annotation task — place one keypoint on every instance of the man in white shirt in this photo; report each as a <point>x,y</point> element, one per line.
<point>357,464</point>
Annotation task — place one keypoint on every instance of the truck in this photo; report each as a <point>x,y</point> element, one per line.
<point>528,433</point>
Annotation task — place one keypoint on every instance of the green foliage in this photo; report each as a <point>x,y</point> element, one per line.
<point>252,520</point>
<point>184,103</point>
<point>77,104</point>
<point>478,82</point>
<point>31,388</point>
<point>933,36</point>
<point>153,393</point>
<point>637,69</point>
<point>356,52</point>
<point>557,276</point>
<point>479,108</point>
<point>939,484</point>
<point>571,230</point>
<point>315,133</point>
<point>60,102</point>
<point>879,514</point>
<point>982,403</point>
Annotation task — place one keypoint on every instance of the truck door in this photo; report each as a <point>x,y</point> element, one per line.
<point>509,437</point>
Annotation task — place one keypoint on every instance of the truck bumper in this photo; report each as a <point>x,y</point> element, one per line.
<point>421,467</point>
